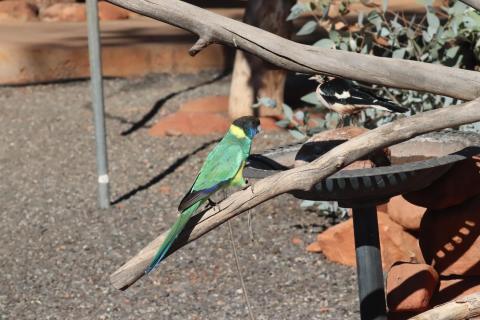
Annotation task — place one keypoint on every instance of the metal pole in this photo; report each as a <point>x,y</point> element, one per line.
<point>369,264</point>
<point>97,102</point>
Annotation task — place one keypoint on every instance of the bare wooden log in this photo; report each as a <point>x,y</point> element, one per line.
<point>462,308</point>
<point>301,178</point>
<point>286,54</point>
<point>252,77</point>
<point>473,3</point>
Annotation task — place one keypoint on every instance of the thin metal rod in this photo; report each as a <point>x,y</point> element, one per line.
<point>237,262</point>
<point>369,264</point>
<point>94,50</point>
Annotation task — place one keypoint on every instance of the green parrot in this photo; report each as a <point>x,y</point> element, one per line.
<point>222,168</point>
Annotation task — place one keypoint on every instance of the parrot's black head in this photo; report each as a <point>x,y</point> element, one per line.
<point>250,125</point>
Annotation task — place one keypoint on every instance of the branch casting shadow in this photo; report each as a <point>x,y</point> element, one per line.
<point>160,103</point>
<point>162,175</point>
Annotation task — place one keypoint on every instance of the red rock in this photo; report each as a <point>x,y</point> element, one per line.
<point>297,241</point>
<point>410,287</point>
<point>108,11</point>
<point>210,104</point>
<point>43,4</point>
<point>17,10</point>
<point>268,124</point>
<point>457,185</point>
<point>405,214</point>
<point>450,241</point>
<point>165,189</point>
<point>190,123</point>
<point>72,12</point>
<point>337,243</point>
<point>455,288</point>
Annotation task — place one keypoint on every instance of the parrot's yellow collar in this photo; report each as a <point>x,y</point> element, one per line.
<point>237,131</point>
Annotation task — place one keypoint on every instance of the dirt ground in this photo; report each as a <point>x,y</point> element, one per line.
<point>58,249</point>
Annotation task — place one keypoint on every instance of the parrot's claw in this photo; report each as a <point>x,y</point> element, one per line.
<point>211,203</point>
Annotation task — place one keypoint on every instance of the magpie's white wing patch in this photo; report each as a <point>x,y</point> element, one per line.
<point>344,95</point>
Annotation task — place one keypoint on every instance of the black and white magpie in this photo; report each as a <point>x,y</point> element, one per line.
<point>343,97</point>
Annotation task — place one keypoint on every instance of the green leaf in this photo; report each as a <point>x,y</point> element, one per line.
<point>325,43</point>
<point>311,98</point>
<point>266,102</point>
<point>410,34</point>
<point>384,32</point>
<point>399,53</point>
<point>447,101</point>
<point>459,8</point>
<point>374,18</point>
<point>307,28</point>
<point>298,9</point>
<point>287,111</point>
<point>300,115</point>
<point>426,36</point>
<point>307,203</point>
<point>297,134</point>
<point>452,52</point>
<point>433,24</point>
<point>353,44</point>
<point>384,5</point>
<point>283,123</point>
<point>334,36</point>
<point>360,18</point>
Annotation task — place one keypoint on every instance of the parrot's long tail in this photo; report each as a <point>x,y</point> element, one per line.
<point>172,235</point>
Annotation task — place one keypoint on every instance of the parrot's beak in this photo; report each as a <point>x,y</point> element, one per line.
<point>259,129</point>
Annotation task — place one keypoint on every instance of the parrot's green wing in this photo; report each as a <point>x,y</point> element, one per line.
<point>220,167</point>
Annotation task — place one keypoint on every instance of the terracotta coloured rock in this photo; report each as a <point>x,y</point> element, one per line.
<point>17,10</point>
<point>457,185</point>
<point>43,4</point>
<point>405,214</point>
<point>269,124</point>
<point>455,288</point>
<point>108,11</point>
<point>72,12</point>
<point>210,104</point>
<point>410,287</point>
<point>450,239</point>
<point>190,123</point>
<point>337,243</point>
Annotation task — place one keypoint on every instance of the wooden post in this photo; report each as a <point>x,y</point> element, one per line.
<point>252,77</point>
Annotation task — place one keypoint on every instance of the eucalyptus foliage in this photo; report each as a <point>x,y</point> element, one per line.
<point>448,35</point>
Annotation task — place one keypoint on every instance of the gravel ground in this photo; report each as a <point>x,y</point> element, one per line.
<point>58,249</point>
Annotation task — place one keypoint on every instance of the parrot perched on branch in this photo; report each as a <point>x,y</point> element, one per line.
<point>222,168</point>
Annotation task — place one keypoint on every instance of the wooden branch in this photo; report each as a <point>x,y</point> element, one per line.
<point>301,178</point>
<point>475,4</point>
<point>406,74</point>
<point>462,308</point>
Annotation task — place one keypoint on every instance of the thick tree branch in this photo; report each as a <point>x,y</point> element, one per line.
<point>467,307</point>
<point>461,84</point>
<point>473,3</point>
<point>302,178</point>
